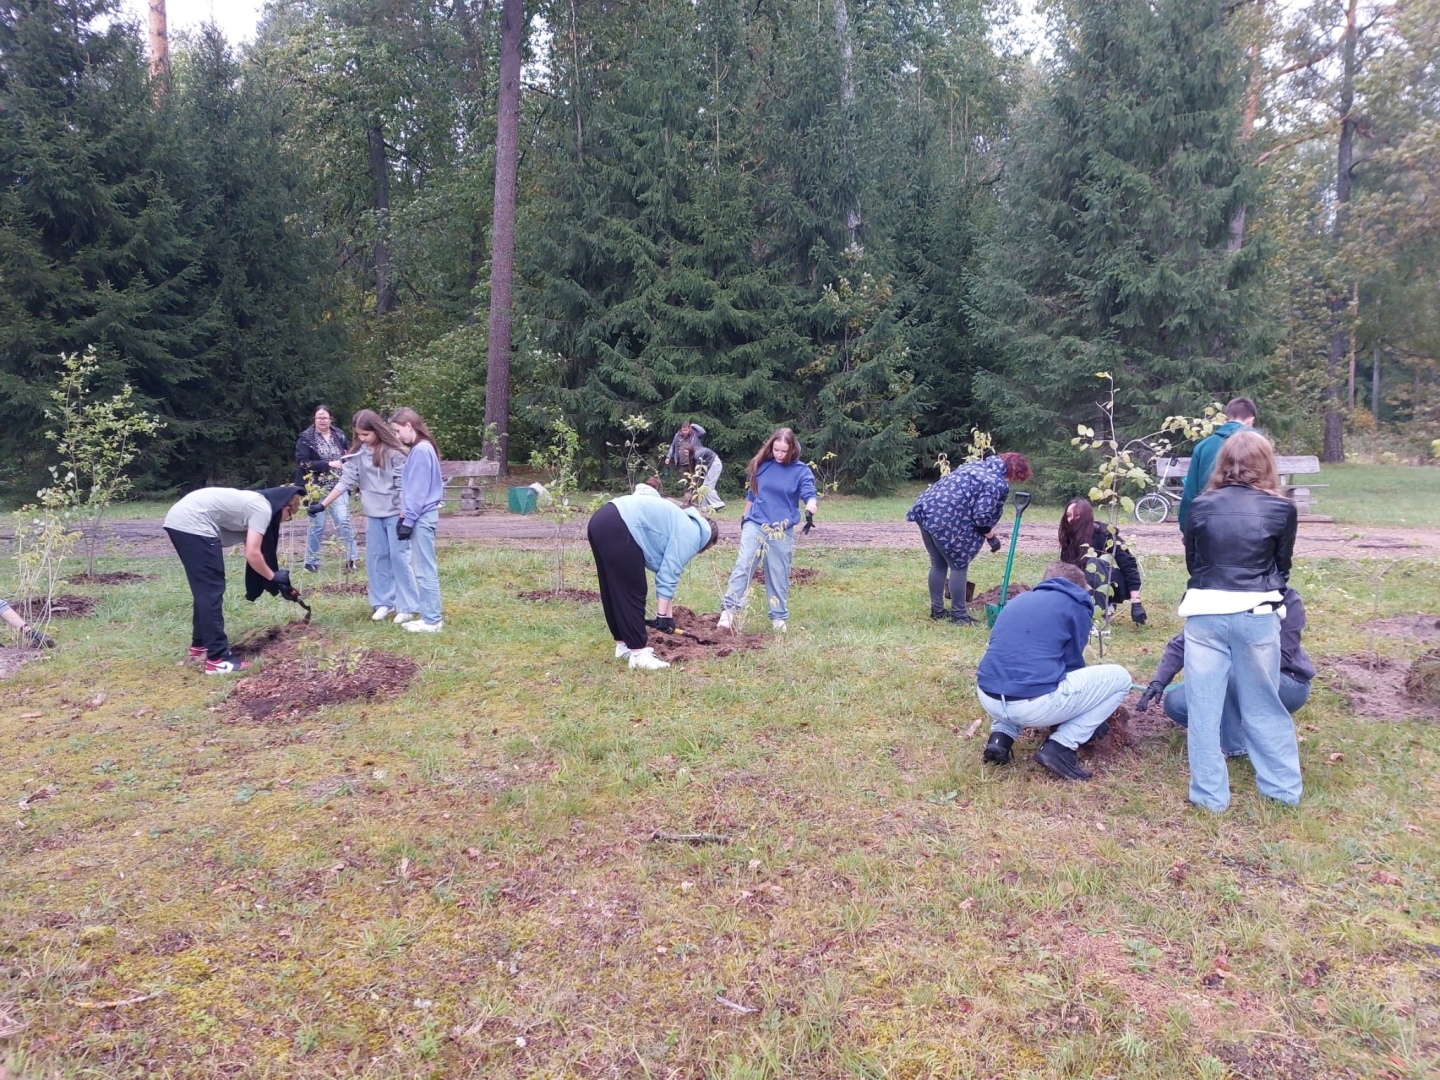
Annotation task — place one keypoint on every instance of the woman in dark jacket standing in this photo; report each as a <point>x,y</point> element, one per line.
<point>957,514</point>
<point>318,453</point>
<point>1084,542</point>
<point>1239,538</point>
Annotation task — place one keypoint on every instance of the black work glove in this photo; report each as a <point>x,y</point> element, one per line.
<point>1152,694</point>
<point>994,542</point>
<point>279,585</point>
<point>1137,613</point>
<point>809,521</point>
<point>403,531</point>
<point>315,509</point>
<point>36,640</point>
<point>664,623</point>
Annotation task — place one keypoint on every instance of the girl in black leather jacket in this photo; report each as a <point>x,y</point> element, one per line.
<point>1239,539</point>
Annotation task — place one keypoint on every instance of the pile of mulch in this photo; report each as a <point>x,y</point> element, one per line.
<point>295,680</point>
<point>346,588</point>
<point>567,595</point>
<point>114,577</point>
<point>799,575</point>
<point>702,639</point>
<point>1411,626</point>
<point>1376,687</point>
<point>63,606</point>
<point>992,596</point>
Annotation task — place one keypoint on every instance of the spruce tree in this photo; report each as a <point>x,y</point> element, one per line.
<point>1122,179</point>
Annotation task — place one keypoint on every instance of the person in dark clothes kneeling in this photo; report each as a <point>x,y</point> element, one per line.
<point>628,536</point>
<point>201,526</point>
<point>1033,674</point>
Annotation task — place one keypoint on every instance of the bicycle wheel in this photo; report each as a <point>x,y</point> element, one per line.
<point>1152,509</point>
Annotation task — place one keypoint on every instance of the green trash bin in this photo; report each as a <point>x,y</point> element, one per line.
<point>522,500</point>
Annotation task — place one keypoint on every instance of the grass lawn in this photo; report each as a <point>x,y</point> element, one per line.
<point>461,881</point>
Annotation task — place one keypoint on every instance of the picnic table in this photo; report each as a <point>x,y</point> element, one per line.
<point>463,478</point>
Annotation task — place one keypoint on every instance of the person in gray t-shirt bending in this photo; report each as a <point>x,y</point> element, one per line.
<point>201,526</point>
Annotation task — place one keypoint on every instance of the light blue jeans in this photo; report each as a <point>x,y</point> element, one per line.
<point>776,557</point>
<point>425,566</point>
<point>1293,695</point>
<point>1241,654</point>
<point>339,512</point>
<point>387,562</point>
<point>1084,699</point>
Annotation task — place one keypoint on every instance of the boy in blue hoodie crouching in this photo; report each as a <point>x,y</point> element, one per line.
<point>1033,673</point>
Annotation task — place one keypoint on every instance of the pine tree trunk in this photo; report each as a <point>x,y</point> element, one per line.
<point>847,109</point>
<point>1334,444</point>
<point>159,40</point>
<point>502,233</point>
<point>380,173</point>
<point>1247,128</point>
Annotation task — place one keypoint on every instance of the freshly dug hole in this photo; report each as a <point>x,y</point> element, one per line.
<point>300,675</point>
<point>702,638</point>
<point>64,606</point>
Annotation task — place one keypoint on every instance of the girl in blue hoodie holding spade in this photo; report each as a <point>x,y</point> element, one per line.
<point>779,483</point>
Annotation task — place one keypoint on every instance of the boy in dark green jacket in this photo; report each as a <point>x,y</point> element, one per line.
<point>1240,413</point>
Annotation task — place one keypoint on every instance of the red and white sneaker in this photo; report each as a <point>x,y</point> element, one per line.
<point>197,652</point>
<point>225,666</point>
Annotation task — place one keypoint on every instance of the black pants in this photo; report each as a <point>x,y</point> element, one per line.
<point>939,567</point>
<point>620,565</point>
<point>204,562</point>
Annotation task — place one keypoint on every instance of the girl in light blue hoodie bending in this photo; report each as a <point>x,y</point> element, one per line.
<point>779,483</point>
<point>421,492</point>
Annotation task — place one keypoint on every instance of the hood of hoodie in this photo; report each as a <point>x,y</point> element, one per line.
<point>278,498</point>
<point>1078,593</point>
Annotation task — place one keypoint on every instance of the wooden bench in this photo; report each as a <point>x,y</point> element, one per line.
<point>1170,471</point>
<point>463,478</point>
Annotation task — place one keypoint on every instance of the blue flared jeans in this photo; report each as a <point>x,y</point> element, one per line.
<point>778,547</point>
<point>387,564</point>
<point>1238,654</point>
<point>425,565</point>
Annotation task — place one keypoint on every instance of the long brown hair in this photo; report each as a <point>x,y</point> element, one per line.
<point>1077,535</point>
<point>369,420</point>
<point>767,454</point>
<point>407,415</point>
<point>1246,459</point>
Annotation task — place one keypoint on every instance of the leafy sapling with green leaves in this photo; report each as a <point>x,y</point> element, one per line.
<point>561,500</point>
<point>96,440</point>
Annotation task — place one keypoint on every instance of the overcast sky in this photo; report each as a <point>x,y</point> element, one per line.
<point>237,18</point>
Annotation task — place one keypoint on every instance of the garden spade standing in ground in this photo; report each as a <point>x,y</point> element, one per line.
<point>992,611</point>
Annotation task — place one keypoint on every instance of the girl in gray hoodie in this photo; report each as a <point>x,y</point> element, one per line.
<point>375,473</point>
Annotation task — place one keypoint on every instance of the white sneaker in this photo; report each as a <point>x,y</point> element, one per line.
<point>727,619</point>
<point>403,617</point>
<point>621,650</point>
<point>420,626</point>
<point>778,625</point>
<point>646,660</point>
<point>380,614</point>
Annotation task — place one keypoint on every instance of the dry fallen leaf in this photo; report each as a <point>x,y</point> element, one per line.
<point>472,852</point>
<point>405,868</point>
<point>1178,869</point>
<point>31,715</point>
<point>1320,1005</point>
<point>96,701</point>
<point>1384,877</point>
<point>967,903</point>
<point>1337,757</point>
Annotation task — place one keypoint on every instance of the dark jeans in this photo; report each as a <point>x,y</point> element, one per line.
<point>620,565</point>
<point>204,562</point>
<point>939,567</point>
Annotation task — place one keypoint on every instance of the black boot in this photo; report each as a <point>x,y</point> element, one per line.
<point>997,750</point>
<point>1098,735</point>
<point>937,613</point>
<point>960,617</point>
<point>1060,761</point>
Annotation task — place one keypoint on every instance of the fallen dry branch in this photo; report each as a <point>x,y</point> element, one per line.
<point>690,837</point>
<point>116,1004</point>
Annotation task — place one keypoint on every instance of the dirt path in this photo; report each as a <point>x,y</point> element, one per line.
<point>1317,540</point>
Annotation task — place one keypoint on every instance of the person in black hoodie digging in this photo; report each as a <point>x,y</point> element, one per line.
<point>201,526</point>
<point>1033,674</point>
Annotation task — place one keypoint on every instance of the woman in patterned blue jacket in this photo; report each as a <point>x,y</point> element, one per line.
<point>956,514</point>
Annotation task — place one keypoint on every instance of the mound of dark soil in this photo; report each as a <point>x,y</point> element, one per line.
<point>64,606</point>
<point>1375,687</point>
<point>1117,740</point>
<point>1414,626</point>
<point>266,640</point>
<point>992,596</point>
<point>569,596</point>
<point>1422,681</point>
<point>799,575</point>
<point>114,577</point>
<point>296,681</point>
<point>701,638</point>
<point>345,588</point>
